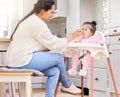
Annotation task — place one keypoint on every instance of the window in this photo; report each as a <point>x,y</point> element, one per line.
<point>103,13</point>
<point>9,10</point>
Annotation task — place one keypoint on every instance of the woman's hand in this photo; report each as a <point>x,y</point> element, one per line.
<point>74,35</point>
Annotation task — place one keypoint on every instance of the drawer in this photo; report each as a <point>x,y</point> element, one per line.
<point>115,40</point>
<point>100,94</point>
<point>107,40</point>
<point>114,48</point>
<point>100,62</point>
<point>77,81</point>
<point>99,79</point>
<point>37,79</point>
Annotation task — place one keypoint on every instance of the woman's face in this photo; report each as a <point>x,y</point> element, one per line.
<point>86,31</point>
<point>47,15</point>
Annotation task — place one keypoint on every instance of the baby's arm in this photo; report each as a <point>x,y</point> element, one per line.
<point>97,40</point>
<point>77,39</point>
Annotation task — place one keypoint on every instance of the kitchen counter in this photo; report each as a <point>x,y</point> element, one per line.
<point>4,43</point>
<point>112,34</point>
<point>4,40</point>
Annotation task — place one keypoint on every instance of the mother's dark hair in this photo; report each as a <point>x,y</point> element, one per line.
<point>40,5</point>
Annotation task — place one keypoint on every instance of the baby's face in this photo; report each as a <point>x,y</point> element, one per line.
<point>86,31</point>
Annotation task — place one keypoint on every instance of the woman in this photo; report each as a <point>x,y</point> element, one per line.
<point>34,47</point>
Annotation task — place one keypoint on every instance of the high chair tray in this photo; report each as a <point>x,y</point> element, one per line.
<point>85,45</point>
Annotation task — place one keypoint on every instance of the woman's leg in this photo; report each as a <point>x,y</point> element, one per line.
<point>46,63</point>
<point>44,60</point>
<point>53,77</point>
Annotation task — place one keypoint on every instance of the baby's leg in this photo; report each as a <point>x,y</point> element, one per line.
<point>74,64</point>
<point>75,61</point>
<point>85,61</point>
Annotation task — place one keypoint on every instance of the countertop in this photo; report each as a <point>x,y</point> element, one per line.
<point>112,34</point>
<point>4,40</point>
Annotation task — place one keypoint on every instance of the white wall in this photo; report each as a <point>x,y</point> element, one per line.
<point>73,15</point>
<point>88,10</point>
<point>28,6</point>
<point>114,12</point>
<point>80,11</point>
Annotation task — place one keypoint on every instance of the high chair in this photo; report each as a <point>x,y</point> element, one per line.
<point>95,50</point>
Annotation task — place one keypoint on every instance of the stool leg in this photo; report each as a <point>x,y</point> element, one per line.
<point>1,89</point>
<point>91,77</point>
<point>29,88</point>
<point>25,89</point>
<point>112,76</point>
<point>12,90</point>
<point>22,89</point>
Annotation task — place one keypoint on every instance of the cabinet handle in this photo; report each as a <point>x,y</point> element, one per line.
<point>118,39</point>
<point>110,52</point>
<point>96,79</point>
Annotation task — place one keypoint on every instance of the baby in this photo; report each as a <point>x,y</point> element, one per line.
<point>87,36</point>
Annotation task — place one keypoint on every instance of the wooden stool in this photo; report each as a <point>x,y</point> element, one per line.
<point>22,77</point>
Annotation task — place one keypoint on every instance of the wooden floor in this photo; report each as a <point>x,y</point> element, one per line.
<point>41,93</point>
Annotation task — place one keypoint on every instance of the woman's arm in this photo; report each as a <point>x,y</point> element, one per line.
<point>74,35</point>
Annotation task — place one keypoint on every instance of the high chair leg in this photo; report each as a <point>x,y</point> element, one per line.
<point>1,89</point>
<point>82,86</point>
<point>57,87</point>
<point>112,76</point>
<point>91,76</point>
<point>82,83</point>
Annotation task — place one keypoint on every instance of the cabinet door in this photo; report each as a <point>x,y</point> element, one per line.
<point>99,79</point>
<point>115,60</point>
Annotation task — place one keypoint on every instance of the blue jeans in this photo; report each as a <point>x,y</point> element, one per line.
<point>52,65</point>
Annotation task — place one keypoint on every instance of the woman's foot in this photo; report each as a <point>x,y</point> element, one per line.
<point>71,90</point>
<point>72,72</point>
<point>83,73</point>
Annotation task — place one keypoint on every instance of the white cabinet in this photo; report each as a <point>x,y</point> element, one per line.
<point>114,49</point>
<point>103,84</point>
<point>61,8</point>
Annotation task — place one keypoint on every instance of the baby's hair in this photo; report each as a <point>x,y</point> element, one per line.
<point>92,25</point>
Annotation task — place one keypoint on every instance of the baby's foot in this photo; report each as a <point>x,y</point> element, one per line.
<point>83,73</point>
<point>72,72</point>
